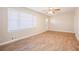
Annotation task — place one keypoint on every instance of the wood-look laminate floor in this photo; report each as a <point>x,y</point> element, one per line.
<point>47,41</point>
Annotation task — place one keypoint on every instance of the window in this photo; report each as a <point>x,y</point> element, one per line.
<point>12,20</point>
<point>26,20</point>
<point>18,20</point>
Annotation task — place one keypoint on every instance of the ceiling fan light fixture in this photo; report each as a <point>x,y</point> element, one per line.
<point>50,13</point>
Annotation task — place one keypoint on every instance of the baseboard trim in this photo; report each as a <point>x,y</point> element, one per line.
<point>62,31</point>
<point>77,37</point>
<point>11,41</point>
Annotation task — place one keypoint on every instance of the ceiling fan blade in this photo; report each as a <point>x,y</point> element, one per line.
<point>57,9</point>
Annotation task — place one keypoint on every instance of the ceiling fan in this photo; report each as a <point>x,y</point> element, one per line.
<point>52,11</point>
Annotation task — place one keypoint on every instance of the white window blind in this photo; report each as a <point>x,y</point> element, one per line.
<point>26,20</point>
<point>12,20</point>
<point>18,20</point>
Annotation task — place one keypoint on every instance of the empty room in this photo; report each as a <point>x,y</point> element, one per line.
<point>39,29</point>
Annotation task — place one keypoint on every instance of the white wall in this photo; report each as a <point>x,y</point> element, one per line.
<point>0,25</point>
<point>76,23</point>
<point>5,36</point>
<point>62,22</point>
<point>3,25</point>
